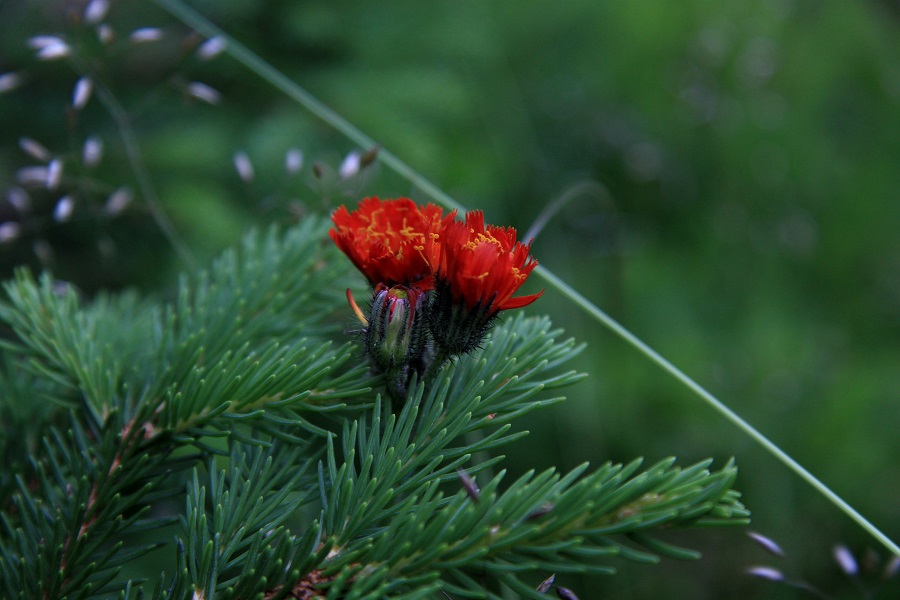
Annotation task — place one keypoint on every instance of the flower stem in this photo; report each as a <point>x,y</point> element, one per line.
<point>435,367</point>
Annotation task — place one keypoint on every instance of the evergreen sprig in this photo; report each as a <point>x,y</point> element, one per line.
<point>242,353</point>
<point>63,526</point>
<point>544,523</point>
<point>297,478</point>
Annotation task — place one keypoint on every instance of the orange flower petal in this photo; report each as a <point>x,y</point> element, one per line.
<point>484,264</point>
<point>393,242</point>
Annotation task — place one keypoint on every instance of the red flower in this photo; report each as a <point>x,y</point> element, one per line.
<point>484,265</point>
<point>438,283</point>
<point>480,269</point>
<point>392,242</point>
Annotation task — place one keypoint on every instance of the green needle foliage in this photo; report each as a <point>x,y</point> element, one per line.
<point>242,402</point>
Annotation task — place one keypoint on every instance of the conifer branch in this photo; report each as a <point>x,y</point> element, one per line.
<point>313,486</point>
<point>138,379</point>
<point>544,523</point>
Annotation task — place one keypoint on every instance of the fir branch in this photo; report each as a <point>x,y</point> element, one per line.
<point>506,533</point>
<point>244,356</point>
<point>81,349</point>
<point>519,360</point>
<point>246,340</point>
<point>63,533</point>
<point>385,508</point>
<point>400,453</point>
<point>23,419</point>
<point>138,379</point>
<point>236,541</point>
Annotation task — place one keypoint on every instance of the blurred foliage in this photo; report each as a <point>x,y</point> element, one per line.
<point>742,219</point>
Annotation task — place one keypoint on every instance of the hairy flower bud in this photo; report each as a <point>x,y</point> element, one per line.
<point>396,335</point>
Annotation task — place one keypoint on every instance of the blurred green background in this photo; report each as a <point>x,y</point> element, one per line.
<point>733,170</point>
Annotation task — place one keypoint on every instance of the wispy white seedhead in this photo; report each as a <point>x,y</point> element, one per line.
<point>544,586</point>
<point>118,201</point>
<point>565,594</point>
<point>64,209</point>
<point>92,151</point>
<point>39,42</point>
<point>32,175</point>
<point>34,148</point>
<point>58,51</point>
<point>9,81</point>
<point>105,34</point>
<point>211,48</point>
<point>82,92</point>
<point>845,560</point>
<point>201,91</point>
<point>9,231</point>
<point>96,11</point>
<point>49,47</point>
<point>19,199</point>
<point>768,544</point>
<point>293,160</point>
<point>766,573</point>
<point>243,166</point>
<point>145,34</point>
<point>350,166</point>
<point>54,173</point>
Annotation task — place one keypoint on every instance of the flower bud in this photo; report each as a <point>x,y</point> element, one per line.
<point>397,333</point>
